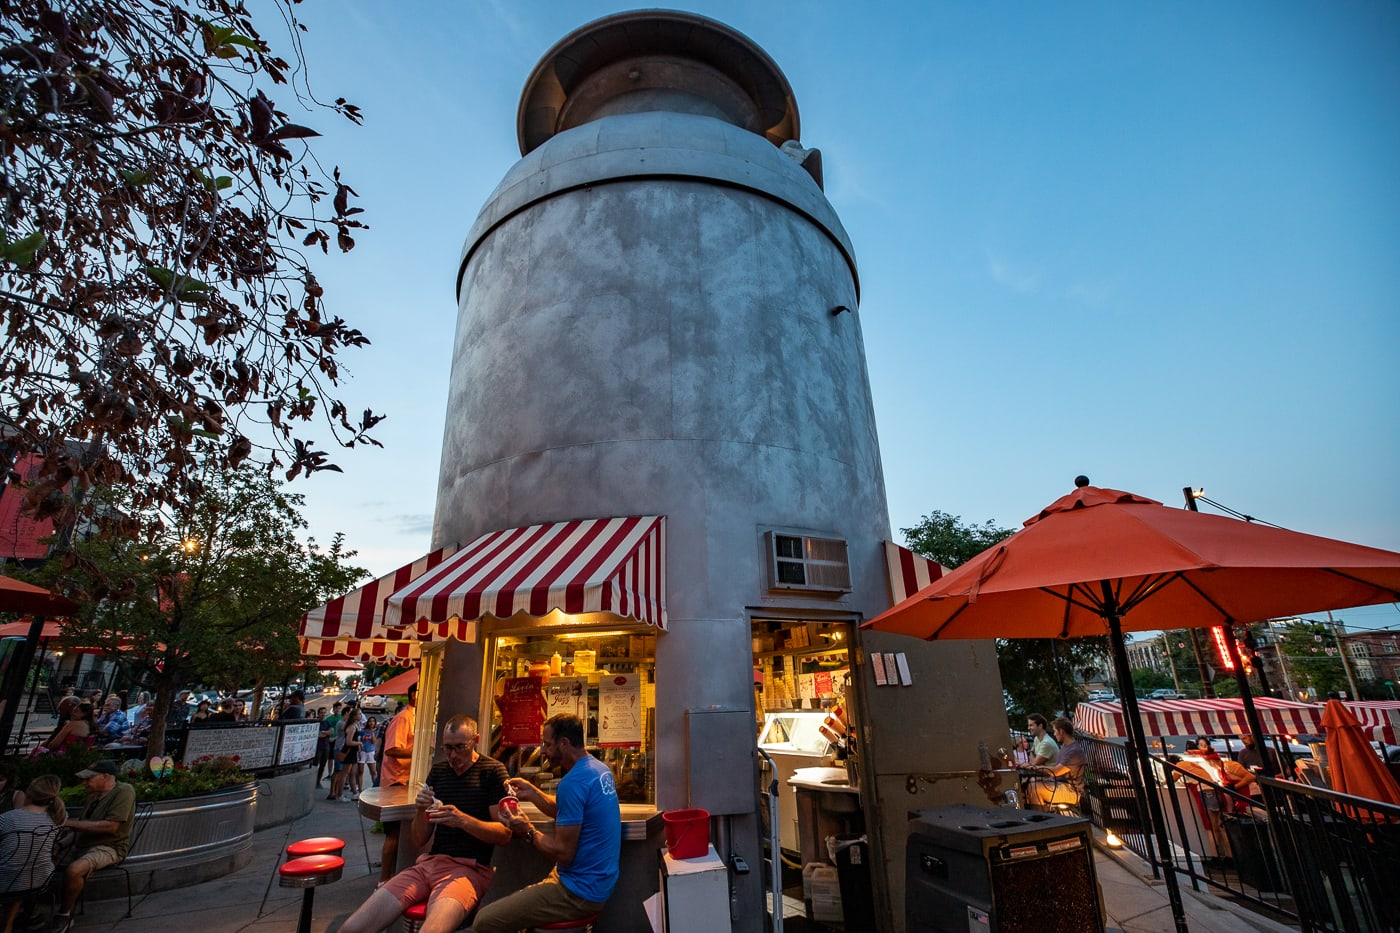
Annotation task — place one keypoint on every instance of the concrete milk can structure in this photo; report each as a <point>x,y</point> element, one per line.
<point>658,364</point>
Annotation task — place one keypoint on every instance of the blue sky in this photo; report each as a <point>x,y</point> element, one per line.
<point>1155,244</point>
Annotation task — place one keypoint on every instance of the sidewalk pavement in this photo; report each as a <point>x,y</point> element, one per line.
<point>251,900</point>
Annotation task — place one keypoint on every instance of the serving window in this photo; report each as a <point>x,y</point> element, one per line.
<point>607,678</point>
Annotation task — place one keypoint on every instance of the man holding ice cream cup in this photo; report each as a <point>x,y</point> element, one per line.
<point>457,811</point>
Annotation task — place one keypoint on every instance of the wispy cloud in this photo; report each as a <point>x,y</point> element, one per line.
<point>1003,273</point>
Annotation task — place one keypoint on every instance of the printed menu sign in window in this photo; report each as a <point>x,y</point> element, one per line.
<point>567,695</point>
<point>619,710</point>
<point>522,710</point>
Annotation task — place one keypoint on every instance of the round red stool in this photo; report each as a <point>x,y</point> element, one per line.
<point>413,917</point>
<point>309,872</point>
<point>317,845</point>
<point>578,925</point>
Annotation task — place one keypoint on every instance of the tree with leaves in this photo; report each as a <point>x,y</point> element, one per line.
<point>157,209</point>
<point>1313,657</point>
<point>216,596</point>
<point>1037,674</point>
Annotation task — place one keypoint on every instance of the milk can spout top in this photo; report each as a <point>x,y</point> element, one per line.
<point>650,60</point>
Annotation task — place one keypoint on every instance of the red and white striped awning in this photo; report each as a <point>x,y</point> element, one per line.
<point>352,626</point>
<point>1379,718</point>
<point>1200,717</point>
<point>612,565</point>
<point>908,572</point>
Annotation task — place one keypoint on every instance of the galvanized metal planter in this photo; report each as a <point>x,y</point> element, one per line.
<point>205,837</point>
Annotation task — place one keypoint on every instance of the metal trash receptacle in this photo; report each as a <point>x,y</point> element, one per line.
<point>853,874</point>
<point>1253,852</point>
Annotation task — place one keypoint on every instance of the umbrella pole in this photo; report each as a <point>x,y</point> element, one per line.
<point>15,676</point>
<point>1142,764</point>
<point>1251,713</point>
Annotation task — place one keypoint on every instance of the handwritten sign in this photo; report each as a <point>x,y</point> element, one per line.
<point>567,695</point>
<point>522,706</point>
<point>619,710</point>
<point>252,745</point>
<point>298,742</point>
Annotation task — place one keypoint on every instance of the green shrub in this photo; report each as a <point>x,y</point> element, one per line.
<point>203,776</point>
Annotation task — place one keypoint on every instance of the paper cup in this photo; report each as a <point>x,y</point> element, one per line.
<point>509,805</point>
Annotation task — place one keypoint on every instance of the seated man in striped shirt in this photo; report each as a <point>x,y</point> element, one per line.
<point>456,811</point>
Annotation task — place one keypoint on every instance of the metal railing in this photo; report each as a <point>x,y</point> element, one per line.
<point>1307,855</point>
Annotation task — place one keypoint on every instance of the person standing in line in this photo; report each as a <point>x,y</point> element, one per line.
<point>398,753</point>
<point>323,745</point>
<point>585,846</point>
<point>368,737</point>
<point>296,706</point>
<point>350,723</point>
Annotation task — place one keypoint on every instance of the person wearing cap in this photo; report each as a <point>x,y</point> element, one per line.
<point>398,753</point>
<point>103,832</point>
<point>456,811</point>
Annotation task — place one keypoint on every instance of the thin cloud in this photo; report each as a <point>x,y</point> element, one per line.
<point>1004,274</point>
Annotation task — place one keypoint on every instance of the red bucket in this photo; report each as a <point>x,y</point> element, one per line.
<point>687,832</point>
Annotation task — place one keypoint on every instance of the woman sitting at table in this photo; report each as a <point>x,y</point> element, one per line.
<point>80,729</point>
<point>27,835</point>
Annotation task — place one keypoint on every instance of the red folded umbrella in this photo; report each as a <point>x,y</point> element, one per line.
<point>1352,764</point>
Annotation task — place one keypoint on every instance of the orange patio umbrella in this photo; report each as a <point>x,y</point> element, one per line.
<point>395,686</point>
<point>1102,561</point>
<point>17,596</point>
<point>1353,766</point>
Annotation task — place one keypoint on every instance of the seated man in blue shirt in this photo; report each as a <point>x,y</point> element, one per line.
<point>112,724</point>
<point>585,846</point>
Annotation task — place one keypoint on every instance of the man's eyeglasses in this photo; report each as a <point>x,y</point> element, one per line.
<point>457,746</point>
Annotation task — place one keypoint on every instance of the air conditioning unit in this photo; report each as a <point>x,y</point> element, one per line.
<point>805,562</point>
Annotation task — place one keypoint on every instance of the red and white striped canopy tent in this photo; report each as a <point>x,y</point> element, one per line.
<point>1199,717</point>
<point>1379,718</point>
<point>352,626</point>
<point>612,565</point>
<point>908,572</point>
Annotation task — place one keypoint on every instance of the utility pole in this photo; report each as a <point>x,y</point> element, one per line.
<point>1167,650</point>
<point>1342,650</point>
<point>1207,687</point>
<point>1282,661</point>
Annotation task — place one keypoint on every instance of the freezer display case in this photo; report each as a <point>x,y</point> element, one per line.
<point>793,738</point>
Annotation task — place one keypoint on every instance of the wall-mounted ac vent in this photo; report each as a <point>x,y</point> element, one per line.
<point>804,562</point>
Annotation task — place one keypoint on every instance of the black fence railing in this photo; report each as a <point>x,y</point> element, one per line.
<point>1306,855</point>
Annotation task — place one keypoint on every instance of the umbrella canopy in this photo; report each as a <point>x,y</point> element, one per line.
<point>395,686</point>
<point>1102,561</point>
<point>16,596</point>
<point>21,629</point>
<point>1223,716</point>
<point>1353,765</point>
<point>1169,569</point>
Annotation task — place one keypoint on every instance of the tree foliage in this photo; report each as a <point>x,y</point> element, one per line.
<point>1037,674</point>
<point>157,209</point>
<point>216,597</point>
<point>1312,655</point>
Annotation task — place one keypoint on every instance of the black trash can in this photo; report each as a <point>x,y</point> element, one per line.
<point>1253,851</point>
<point>853,874</point>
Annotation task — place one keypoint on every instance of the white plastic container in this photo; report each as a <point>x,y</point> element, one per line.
<point>821,889</point>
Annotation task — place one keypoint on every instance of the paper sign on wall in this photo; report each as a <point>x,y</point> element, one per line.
<point>619,710</point>
<point>567,695</point>
<point>522,710</point>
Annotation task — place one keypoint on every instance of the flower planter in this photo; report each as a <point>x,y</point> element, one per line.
<point>204,837</point>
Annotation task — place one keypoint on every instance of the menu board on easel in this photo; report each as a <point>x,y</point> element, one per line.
<point>567,695</point>
<point>619,710</point>
<point>522,710</point>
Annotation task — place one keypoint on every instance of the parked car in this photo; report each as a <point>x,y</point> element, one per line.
<point>1166,693</point>
<point>374,703</point>
<point>1102,696</point>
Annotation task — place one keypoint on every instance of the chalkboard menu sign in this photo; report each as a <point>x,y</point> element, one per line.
<point>253,745</point>
<point>298,742</point>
